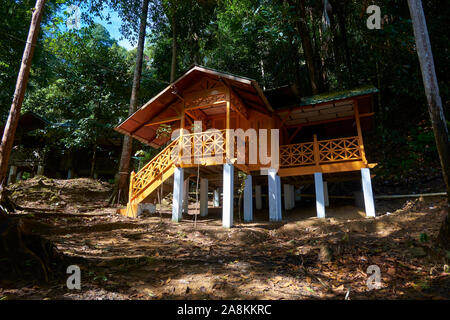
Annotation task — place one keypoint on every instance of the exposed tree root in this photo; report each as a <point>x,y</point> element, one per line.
<point>118,196</point>
<point>19,246</point>
<point>443,238</point>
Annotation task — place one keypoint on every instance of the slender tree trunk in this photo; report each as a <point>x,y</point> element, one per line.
<point>307,47</point>
<point>434,104</point>
<point>340,9</point>
<point>19,93</point>
<point>125,159</point>
<point>94,157</point>
<point>173,69</point>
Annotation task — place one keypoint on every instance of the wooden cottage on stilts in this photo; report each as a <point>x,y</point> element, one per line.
<point>222,123</point>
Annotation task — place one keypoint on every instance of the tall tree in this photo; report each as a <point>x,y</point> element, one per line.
<point>434,103</point>
<point>173,68</point>
<point>124,167</point>
<point>19,93</point>
<point>302,27</point>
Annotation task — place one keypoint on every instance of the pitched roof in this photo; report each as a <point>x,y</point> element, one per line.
<point>248,89</point>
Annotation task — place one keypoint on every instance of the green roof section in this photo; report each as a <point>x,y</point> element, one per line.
<point>338,95</point>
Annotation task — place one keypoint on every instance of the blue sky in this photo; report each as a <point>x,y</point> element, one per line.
<point>114,28</point>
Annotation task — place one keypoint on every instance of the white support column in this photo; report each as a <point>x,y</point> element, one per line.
<point>177,206</point>
<point>248,199</point>
<point>325,194</point>
<point>258,198</point>
<point>320,199</point>
<point>292,196</point>
<point>216,198</point>
<point>367,190</point>
<point>274,195</point>
<point>186,196</point>
<point>278,179</point>
<point>228,195</point>
<point>287,197</point>
<point>203,197</point>
<point>12,174</point>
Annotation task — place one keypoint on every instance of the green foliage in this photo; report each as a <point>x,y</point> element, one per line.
<point>423,237</point>
<point>81,80</point>
<point>14,25</point>
<point>91,87</point>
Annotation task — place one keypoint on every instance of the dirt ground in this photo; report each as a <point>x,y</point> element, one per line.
<point>300,258</point>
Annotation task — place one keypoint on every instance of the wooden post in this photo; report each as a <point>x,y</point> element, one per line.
<point>358,128</point>
<point>130,206</point>
<point>228,125</point>
<point>180,141</point>
<point>316,152</point>
<point>130,191</point>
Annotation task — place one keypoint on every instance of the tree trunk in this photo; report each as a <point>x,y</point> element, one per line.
<point>124,167</point>
<point>341,9</point>
<point>94,156</point>
<point>307,47</point>
<point>173,69</point>
<point>434,104</point>
<point>19,93</point>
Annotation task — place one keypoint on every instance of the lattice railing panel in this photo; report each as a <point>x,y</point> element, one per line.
<point>327,151</point>
<point>293,155</point>
<point>152,170</point>
<point>343,149</point>
<point>205,145</point>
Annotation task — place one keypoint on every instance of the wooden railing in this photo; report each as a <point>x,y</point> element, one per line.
<point>152,170</point>
<point>318,152</point>
<point>205,148</point>
<point>208,148</point>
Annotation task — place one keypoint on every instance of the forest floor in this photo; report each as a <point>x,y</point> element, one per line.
<point>300,258</point>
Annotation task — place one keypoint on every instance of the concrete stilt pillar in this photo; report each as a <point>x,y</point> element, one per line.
<point>320,199</point>
<point>287,197</point>
<point>258,198</point>
<point>228,195</point>
<point>216,198</point>
<point>186,196</point>
<point>248,199</point>
<point>69,174</point>
<point>40,171</point>
<point>325,194</point>
<point>278,179</point>
<point>178,185</point>
<point>203,197</point>
<point>12,174</point>
<point>367,190</point>
<point>292,196</point>
<point>274,195</point>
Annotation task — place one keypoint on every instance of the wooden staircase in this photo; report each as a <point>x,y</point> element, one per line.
<point>207,146</point>
<point>150,177</point>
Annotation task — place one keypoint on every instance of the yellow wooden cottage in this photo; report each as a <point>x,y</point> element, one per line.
<point>222,123</point>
